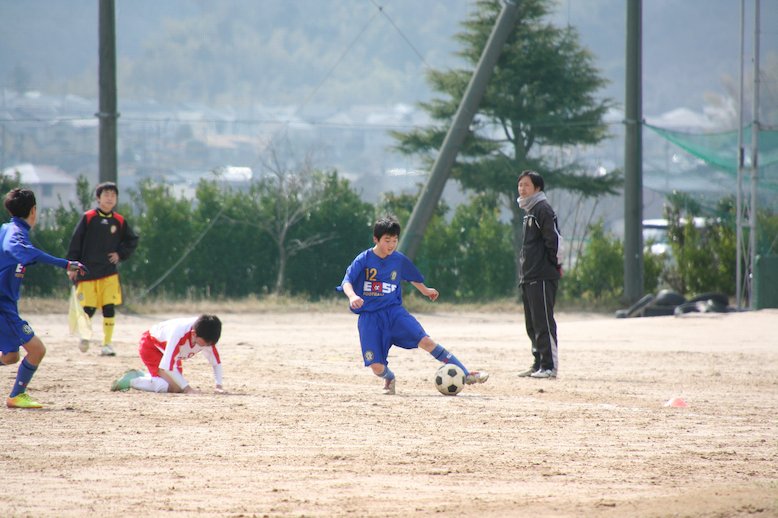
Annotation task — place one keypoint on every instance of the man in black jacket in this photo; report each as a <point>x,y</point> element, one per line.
<point>101,240</point>
<point>540,271</point>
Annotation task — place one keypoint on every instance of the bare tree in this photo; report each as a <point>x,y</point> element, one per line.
<point>284,197</point>
<point>722,108</point>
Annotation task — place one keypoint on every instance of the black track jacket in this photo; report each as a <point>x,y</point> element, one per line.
<point>538,256</point>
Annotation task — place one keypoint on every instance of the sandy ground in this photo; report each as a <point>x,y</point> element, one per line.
<point>306,431</point>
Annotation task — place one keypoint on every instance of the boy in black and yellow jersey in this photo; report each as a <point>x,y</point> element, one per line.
<point>101,240</point>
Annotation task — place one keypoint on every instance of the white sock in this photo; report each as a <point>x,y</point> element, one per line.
<point>149,383</point>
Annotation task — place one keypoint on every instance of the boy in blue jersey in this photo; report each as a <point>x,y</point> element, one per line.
<point>372,285</point>
<point>16,253</point>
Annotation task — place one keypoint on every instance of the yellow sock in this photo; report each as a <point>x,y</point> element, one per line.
<point>108,324</point>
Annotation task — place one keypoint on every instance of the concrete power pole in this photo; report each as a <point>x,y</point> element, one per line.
<point>107,85</point>
<point>752,213</point>
<point>633,157</point>
<point>441,169</point>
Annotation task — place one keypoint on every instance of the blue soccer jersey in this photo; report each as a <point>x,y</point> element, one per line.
<point>378,281</point>
<point>16,254</point>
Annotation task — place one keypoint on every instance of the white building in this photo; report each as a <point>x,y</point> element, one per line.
<point>50,184</point>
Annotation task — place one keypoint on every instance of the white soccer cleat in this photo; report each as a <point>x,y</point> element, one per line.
<point>476,377</point>
<point>107,350</point>
<point>544,374</point>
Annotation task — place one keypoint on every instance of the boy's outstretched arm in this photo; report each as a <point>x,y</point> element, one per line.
<point>431,293</point>
<point>354,300</point>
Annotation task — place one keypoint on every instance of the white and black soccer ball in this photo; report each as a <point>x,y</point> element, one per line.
<point>450,380</point>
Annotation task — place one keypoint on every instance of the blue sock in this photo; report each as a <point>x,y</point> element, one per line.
<point>23,377</point>
<point>387,374</point>
<point>441,354</point>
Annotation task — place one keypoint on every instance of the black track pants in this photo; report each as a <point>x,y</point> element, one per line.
<point>538,298</point>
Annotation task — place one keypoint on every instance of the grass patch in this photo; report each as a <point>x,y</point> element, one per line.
<point>415,303</point>
<point>150,305</point>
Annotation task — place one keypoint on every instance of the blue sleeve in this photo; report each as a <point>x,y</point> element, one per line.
<point>354,270</point>
<point>409,272</point>
<point>50,259</point>
<point>24,252</point>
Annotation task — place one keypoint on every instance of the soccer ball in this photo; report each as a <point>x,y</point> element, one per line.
<point>450,380</point>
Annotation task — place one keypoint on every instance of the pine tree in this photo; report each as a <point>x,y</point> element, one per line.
<point>539,107</point>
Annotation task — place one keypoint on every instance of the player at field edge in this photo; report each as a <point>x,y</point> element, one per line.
<point>163,349</point>
<point>373,286</point>
<point>101,240</point>
<point>539,274</point>
<point>17,254</point>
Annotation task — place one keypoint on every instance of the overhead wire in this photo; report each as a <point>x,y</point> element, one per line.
<point>356,125</point>
<point>401,33</point>
<point>335,65</point>
<point>285,123</point>
<point>186,253</point>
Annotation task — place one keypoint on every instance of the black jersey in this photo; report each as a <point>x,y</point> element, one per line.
<point>98,234</point>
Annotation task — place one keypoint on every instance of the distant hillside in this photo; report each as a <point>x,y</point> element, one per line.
<point>236,52</point>
<point>344,52</point>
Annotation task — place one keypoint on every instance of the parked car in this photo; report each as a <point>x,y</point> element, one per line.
<point>655,234</point>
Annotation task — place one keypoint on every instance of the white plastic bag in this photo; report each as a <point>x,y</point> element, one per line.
<point>78,320</point>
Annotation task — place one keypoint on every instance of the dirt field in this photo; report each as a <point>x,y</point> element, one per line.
<point>305,430</point>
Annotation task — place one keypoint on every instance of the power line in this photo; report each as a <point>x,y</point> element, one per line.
<point>332,69</point>
<point>125,120</point>
<point>402,35</point>
<point>186,253</point>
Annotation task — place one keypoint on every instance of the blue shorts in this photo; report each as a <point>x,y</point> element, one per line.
<point>379,330</point>
<point>14,332</point>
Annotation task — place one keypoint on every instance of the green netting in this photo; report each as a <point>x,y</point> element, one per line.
<point>720,150</point>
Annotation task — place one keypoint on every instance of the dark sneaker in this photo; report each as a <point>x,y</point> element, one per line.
<point>529,372</point>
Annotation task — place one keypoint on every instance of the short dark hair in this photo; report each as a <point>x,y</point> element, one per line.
<point>106,186</point>
<point>534,177</point>
<point>388,225</point>
<point>19,202</point>
<point>209,328</point>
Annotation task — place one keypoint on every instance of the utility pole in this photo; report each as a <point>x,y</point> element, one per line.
<point>746,206</point>
<point>441,169</point>
<point>739,205</point>
<point>633,156</point>
<point>107,85</point>
<point>752,213</point>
